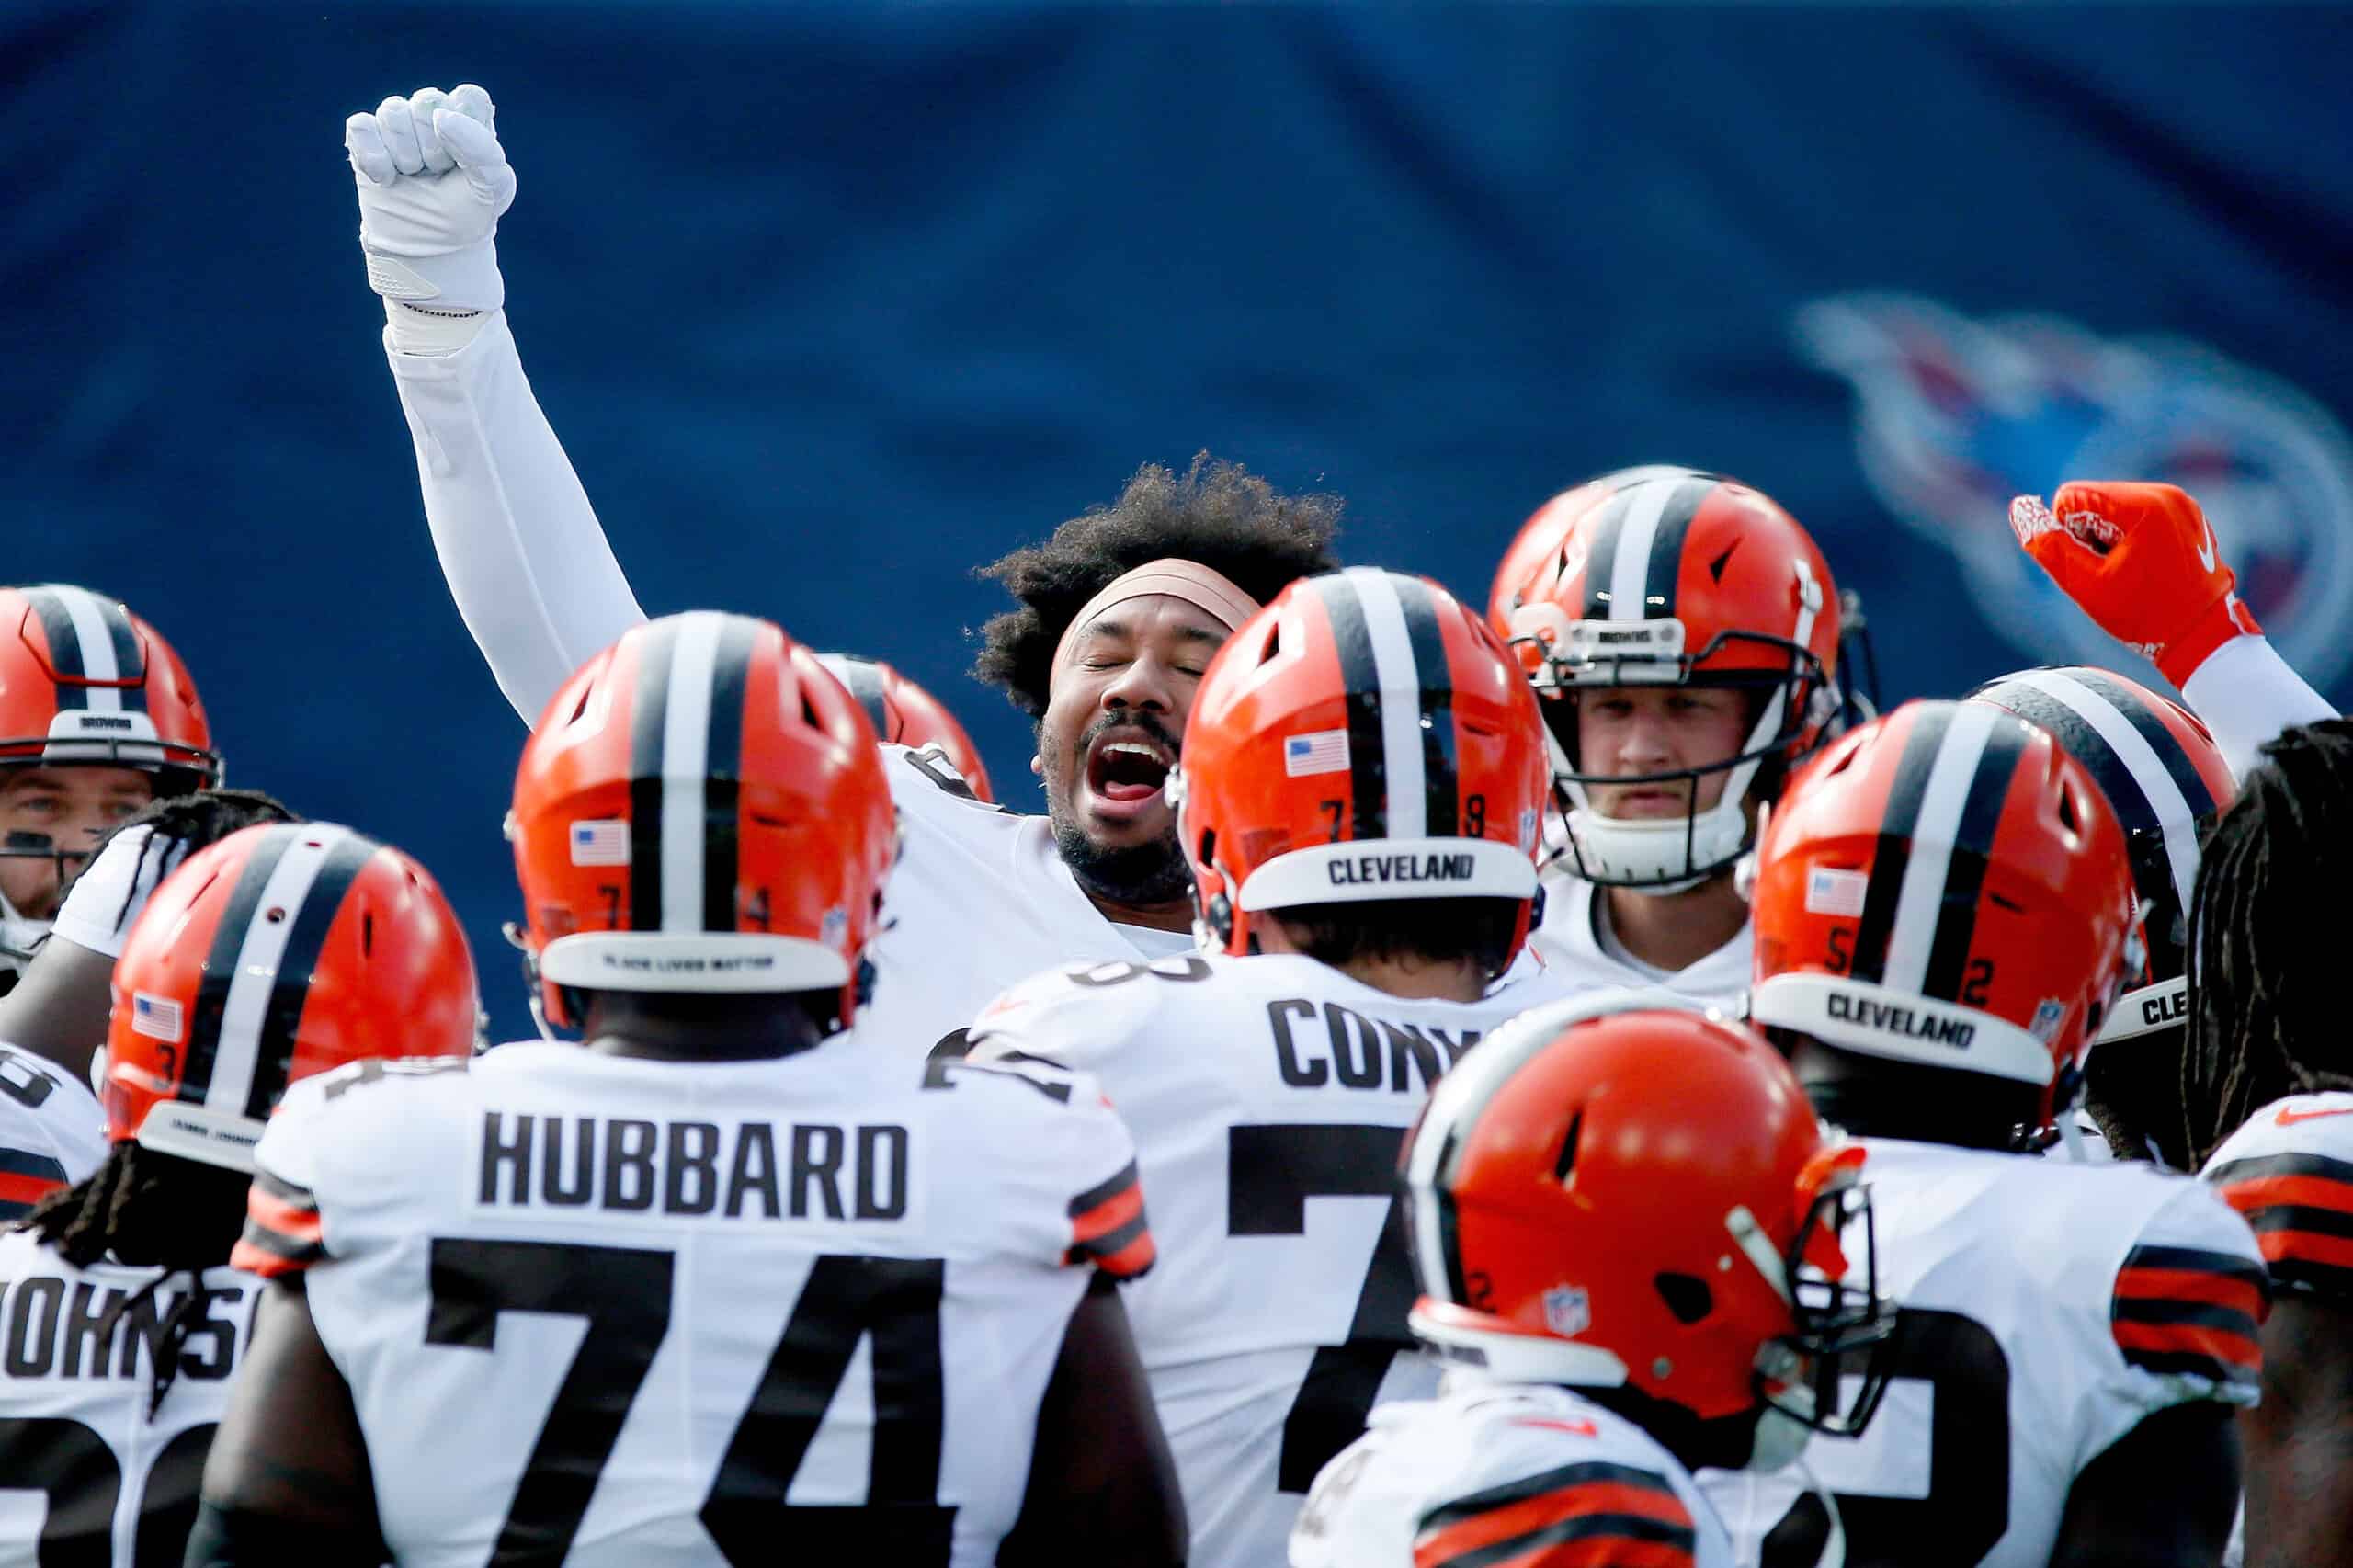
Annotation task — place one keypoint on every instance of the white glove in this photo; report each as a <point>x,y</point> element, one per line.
<point>433,181</point>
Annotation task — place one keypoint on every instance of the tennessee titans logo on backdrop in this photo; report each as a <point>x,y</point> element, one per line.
<point>1954,417</point>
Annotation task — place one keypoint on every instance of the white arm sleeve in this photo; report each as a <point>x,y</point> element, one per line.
<point>526,558</point>
<point>2246,694</point>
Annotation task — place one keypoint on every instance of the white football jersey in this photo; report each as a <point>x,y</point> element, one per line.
<point>1268,1097</point>
<point>52,1133</point>
<point>2289,1171</point>
<point>1492,1472</point>
<point>1574,952</point>
<point>2048,1308</point>
<point>980,899</point>
<point>683,1313</point>
<point>86,1475</point>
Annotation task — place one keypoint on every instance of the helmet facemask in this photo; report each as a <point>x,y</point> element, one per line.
<point>1791,705</point>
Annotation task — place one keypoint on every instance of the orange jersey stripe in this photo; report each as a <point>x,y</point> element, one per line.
<point>276,1214</point>
<point>1108,1215</point>
<point>26,1189</point>
<point>2191,1285</point>
<point>2189,1339</point>
<point>2309,1246</point>
<point>257,1260</point>
<point>1131,1260</point>
<point>2305,1191</point>
<point>1531,1514</point>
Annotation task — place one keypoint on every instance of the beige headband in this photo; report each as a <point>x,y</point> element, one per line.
<point>1209,592</point>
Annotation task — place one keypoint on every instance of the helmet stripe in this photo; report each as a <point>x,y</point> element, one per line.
<point>305,935</point>
<point>1440,772</point>
<point>1891,858</point>
<point>1367,750</point>
<point>1972,848</point>
<point>648,725</point>
<point>2097,729</point>
<point>686,761</point>
<point>730,677</point>
<point>1601,555</point>
<point>1957,806</point>
<point>1665,564</point>
<point>279,893</point>
<point>2163,747</point>
<point>1630,567</point>
<point>864,682</point>
<point>1397,696</point>
<point>221,963</point>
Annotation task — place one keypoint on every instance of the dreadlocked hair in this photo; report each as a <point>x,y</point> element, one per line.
<point>191,822</point>
<point>2264,1020</point>
<point>148,1210</point>
<point>1217,514</point>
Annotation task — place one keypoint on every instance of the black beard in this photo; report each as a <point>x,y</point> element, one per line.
<point>1138,874</point>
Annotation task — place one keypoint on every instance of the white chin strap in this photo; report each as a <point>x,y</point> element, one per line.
<point>19,936</point>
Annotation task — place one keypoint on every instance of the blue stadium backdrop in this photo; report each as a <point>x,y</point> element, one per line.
<point>831,305</point>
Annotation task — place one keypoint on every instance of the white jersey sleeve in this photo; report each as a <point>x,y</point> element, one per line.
<point>105,899</point>
<point>1534,1477</point>
<point>2289,1171</point>
<point>2246,694</point>
<point>526,559</point>
<point>52,1133</point>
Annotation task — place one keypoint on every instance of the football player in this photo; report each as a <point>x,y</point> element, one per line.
<point>1359,795</point>
<point>98,718</point>
<point>1683,633</point>
<point>2159,768</point>
<point>1944,915</point>
<point>1119,610</point>
<point>2269,1091</point>
<point>723,1278</point>
<point>53,1130</point>
<point>1627,1231</point>
<point>280,952</point>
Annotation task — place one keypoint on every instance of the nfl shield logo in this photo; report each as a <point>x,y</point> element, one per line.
<point>1566,1311</point>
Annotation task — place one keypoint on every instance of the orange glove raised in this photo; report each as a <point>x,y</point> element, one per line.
<point>2140,559</point>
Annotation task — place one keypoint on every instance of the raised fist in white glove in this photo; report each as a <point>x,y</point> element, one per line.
<point>432,182</point>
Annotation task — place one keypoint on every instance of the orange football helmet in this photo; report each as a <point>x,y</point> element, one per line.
<point>1669,577</point>
<point>702,808</point>
<point>1945,886</point>
<point>82,681</point>
<point>905,714</point>
<point>2161,771</point>
<point>1607,1193</point>
<point>285,950</point>
<point>1362,737</point>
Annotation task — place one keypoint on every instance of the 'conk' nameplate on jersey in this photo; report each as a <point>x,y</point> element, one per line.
<point>838,1275</point>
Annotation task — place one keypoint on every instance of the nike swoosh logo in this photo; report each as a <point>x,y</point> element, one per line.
<point>2206,550</point>
<point>2289,1118</point>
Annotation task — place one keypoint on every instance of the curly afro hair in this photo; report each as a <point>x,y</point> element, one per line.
<point>1217,514</point>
